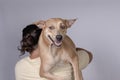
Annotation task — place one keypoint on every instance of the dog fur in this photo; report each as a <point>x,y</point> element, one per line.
<point>55,46</point>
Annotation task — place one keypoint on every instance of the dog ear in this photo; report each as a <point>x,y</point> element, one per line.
<point>69,22</point>
<point>40,23</point>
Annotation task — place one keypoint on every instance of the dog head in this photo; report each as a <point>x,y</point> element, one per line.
<point>55,29</point>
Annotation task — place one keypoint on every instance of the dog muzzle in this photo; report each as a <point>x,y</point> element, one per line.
<point>58,41</point>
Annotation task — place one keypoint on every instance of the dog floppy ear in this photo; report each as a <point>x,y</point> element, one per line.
<point>69,22</point>
<point>40,23</point>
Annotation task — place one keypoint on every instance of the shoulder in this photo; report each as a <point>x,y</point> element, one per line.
<point>21,61</point>
<point>24,69</point>
<point>21,64</point>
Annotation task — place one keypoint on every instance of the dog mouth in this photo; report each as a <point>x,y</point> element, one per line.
<point>56,42</point>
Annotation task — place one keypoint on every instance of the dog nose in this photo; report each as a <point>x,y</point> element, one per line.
<point>59,37</point>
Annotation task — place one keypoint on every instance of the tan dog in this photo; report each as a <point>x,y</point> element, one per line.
<point>56,46</point>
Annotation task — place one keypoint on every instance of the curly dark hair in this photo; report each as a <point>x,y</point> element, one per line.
<point>30,37</point>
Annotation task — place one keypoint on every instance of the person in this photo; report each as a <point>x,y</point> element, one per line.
<point>28,67</point>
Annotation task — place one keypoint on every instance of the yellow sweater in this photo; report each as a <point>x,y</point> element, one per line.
<point>28,69</point>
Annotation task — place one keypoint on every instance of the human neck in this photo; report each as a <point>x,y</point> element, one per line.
<point>34,54</point>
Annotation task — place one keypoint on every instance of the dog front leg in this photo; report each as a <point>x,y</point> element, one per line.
<point>45,72</point>
<point>77,72</point>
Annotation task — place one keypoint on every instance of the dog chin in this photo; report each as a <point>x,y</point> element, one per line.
<point>58,44</point>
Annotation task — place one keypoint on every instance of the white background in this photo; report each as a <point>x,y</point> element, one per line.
<point>97,30</point>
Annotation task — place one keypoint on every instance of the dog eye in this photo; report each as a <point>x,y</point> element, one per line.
<point>62,27</point>
<point>51,27</point>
